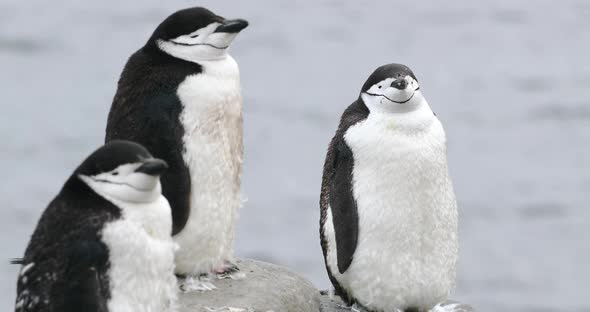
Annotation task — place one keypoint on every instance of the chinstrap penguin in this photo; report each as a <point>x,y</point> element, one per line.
<point>388,211</point>
<point>180,96</point>
<point>103,244</point>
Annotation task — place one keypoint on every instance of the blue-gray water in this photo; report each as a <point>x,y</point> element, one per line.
<point>510,81</point>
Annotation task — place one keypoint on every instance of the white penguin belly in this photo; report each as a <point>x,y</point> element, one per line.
<point>212,121</point>
<point>141,257</point>
<point>407,245</point>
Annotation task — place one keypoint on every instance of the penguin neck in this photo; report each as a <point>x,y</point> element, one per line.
<point>415,120</point>
<point>147,213</point>
<point>155,216</point>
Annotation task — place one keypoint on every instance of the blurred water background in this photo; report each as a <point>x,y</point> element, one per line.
<point>510,81</point>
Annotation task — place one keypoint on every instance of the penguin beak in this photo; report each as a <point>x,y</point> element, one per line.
<point>152,167</point>
<point>400,83</point>
<point>232,26</point>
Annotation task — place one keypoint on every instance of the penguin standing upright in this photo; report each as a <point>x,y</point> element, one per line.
<point>388,212</point>
<point>179,95</point>
<point>103,244</point>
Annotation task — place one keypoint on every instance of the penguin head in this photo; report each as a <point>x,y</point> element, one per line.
<point>196,34</point>
<point>392,88</point>
<point>124,171</point>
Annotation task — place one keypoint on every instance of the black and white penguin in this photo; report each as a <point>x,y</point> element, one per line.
<point>388,212</point>
<point>103,244</point>
<point>180,97</point>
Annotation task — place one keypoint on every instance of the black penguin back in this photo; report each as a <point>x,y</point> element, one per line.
<point>76,215</point>
<point>146,110</point>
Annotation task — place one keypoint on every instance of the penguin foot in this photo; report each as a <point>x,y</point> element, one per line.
<point>228,309</point>
<point>452,306</point>
<point>357,308</point>
<point>228,267</point>
<point>199,283</point>
<point>229,270</point>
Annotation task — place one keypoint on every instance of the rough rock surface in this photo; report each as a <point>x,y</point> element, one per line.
<point>265,287</point>
<point>271,288</point>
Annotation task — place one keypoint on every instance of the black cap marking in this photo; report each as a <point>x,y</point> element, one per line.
<point>387,71</point>
<point>112,155</point>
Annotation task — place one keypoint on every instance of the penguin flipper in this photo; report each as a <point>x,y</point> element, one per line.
<point>82,284</point>
<point>343,205</point>
<point>41,286</point>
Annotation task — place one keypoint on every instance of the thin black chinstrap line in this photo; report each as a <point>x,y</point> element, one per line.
<point>402,102</point>
<point>196,44</point>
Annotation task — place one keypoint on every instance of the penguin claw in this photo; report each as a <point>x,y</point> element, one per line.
<point>228,267</point>
<point>355,308</point>
<point>452,306</point>
<point>201,283</point>
<point>229,270</point>
<point>359,308</point>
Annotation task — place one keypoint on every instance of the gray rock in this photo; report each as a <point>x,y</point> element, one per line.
<point>266,287</point>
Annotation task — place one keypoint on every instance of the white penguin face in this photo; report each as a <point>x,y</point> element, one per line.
<point>135,182</point>
<point>204,44</point>
<point>394,95</point>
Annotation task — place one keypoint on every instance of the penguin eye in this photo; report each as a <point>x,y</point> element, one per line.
<point>116,173</point>
<point>194,36</point>
<point>379,87</point>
